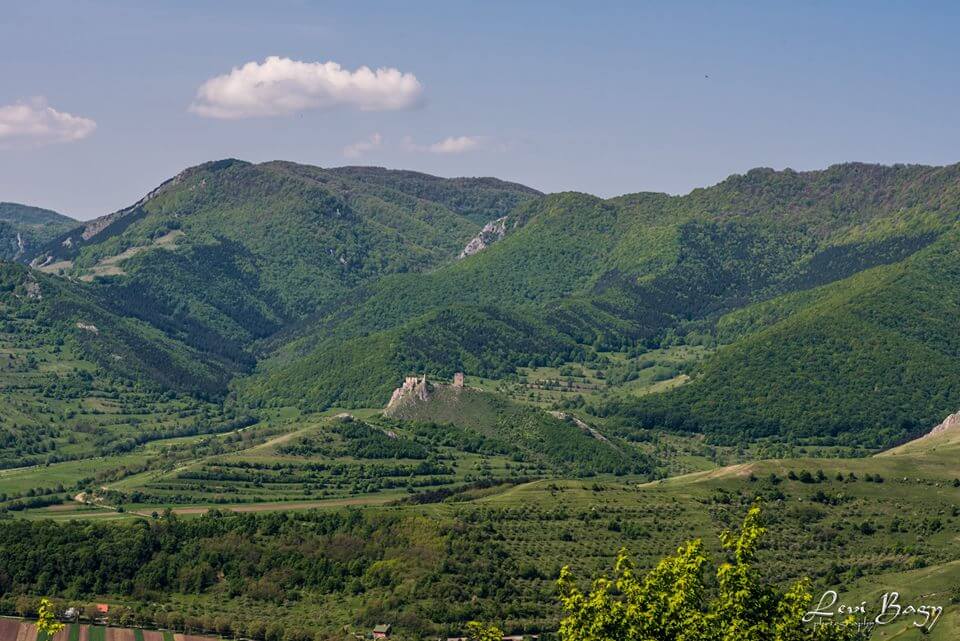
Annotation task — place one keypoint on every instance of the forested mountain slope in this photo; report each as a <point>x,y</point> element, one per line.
<point>583,273</point>
<point>870,359</point>
<point>230,252</point>
<point>23,228</point>
<point>50,311</point>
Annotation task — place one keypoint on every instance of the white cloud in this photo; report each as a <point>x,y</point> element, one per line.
<point>449,145</point>
<point>34,123</point>
<point>359,148</point>
<point>455,145</point>
<point>281,86</point>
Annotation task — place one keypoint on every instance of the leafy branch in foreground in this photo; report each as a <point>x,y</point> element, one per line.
<point>672,602</point>
<point>47,620</point>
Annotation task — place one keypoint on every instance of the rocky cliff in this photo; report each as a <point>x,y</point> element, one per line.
<point>491,233</point>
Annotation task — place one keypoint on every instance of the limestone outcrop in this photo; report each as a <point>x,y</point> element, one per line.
<point>412,388</point>
<point>949,424</point>
<point>491,233</point>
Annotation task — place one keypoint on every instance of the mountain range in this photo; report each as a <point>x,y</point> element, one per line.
<point>825,298</point>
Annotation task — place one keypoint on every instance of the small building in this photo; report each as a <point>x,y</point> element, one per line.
<point>71,614</point>
<point>381,631</point>
<point>103,609</point>
<point>458,379</point>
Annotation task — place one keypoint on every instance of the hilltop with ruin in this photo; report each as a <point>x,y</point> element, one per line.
<point>418,389</point>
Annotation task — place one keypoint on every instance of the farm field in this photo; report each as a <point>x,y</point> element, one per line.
<point>360,457</point>
<point>55,399</point>
<point>859,526</point>
<point>19,630</point>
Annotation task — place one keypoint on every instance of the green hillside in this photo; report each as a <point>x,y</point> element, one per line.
<point>869,359</point>
<point>583,274</point>
<point>76,380</point>
<point>24,228</point>
<point>331,284</point>
<point>144,316</point>
<point>535,435</point>
<point>479,199</point>
<point>229,252</point>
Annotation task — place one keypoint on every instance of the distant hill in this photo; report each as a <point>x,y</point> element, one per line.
<point>52,311</point>
<point>24,228</point>
<point>479,199</point>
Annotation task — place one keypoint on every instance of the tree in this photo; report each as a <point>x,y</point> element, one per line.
<point>477,631</point>
<point>47,619</point>
<point>672,603</point>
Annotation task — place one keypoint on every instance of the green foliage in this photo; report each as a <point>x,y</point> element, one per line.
<point>527,433</point>
<point>672,601</point>
<point>362,371</point>
<point>640,270</point>
<point>477,631</point>
<point>339,282</point>
<point>64,312</point>
<point>479,199</point>
<point>47,622</point>
<point>359,440</point>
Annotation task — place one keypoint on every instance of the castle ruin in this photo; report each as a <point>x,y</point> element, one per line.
<point>416,388</point>
<point>413,387</point>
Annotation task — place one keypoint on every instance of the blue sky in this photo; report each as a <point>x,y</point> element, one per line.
<point>602,97</point>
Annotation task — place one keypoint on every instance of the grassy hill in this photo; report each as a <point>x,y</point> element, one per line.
<point>530,434</point>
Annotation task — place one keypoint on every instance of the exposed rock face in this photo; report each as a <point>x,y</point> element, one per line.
<point>491,233</point>
<point>950,423</point>
<point>412,388</point>
<point>97,225</point>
